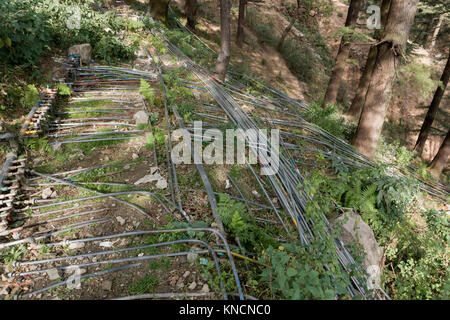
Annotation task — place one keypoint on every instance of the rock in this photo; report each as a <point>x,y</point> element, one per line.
<point>192,257</point>
<point>16,235</point>
<point>127,167</point>
<point>120,220</point>
<point>162,183</point>
<point>3,225</point>
<point>227,184</point>
<point>76,245</point>
<point>140,117</point>
<point>134,156</point>
<point>54,195</point>
<point>205,288</point>
<point>192,285</point>
<point>53,274</point>
<point>148,178</point>
<point>255,193</point>
<point>355,229</point>
<point>107,285</point>
<point>46,193</point>
<point>186,274</point>
<point>106,244</point>
<point>5,291</point>
<point>83,50</point>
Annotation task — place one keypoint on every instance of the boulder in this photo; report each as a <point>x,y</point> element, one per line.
<point>356,230</point>
<point>83,50</point>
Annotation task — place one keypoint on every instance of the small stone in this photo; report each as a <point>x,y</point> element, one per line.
<point>106,244</point>
<point>186,274</point>
<point>16,235</point>
<point>46,193</point>
<point>53,274</point>
<point>162,183</point>
<point>5,291</point>
<point>127,167</point>
<point>120,220</point>
<point>192,285</point>
<point>76,245</point>
<point>134,156</point>
<point>255,193</point>
<point>107,285</point>
<point>227,184</point>
<point>205,288</point>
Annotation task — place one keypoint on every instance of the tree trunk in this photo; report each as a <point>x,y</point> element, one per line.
<point>224,55</point>
<point>240,27</point>
<point>159,10</point>
<point>190,8</point>
<point>432,110</point>
<point>436,32</point>
<point>440,160</point>
<point>391,48</point>
<point>360,96</point>
<point>342,55</point>
<point>287,30</point>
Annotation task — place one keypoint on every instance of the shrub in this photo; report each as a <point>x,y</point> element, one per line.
<point>24,33</point>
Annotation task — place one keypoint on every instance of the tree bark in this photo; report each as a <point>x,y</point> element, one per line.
<point>159,10</point>
<point>342,55</point>
<point>360,96</point>
<point>190,8</point>
<point>440,160</point>
<point>432,110</point>
<point>240,27</point>
<point>224,55</point>
<point>390,50</point>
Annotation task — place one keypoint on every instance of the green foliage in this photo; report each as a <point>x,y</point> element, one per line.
<point>416,256</point>
<point>63,90</point>
<point>15,253</point>
<point>25,32</point>
<point>111,49</point>
<point>31,96</point>
<point>329,119</point>
<point>30,27</point>
<point>416,76</point>
<point>297,272</point>
<point>240,224</point>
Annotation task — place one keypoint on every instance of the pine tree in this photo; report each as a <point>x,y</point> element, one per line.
<point>342,55</point>
<point>432,110</point>
<point>224,55</point>
<point>390,51</point>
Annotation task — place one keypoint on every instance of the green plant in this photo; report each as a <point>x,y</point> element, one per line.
<point>328,118</point>
<point>240,224</point>
<point>111,49</point>
<point>145,285</point>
